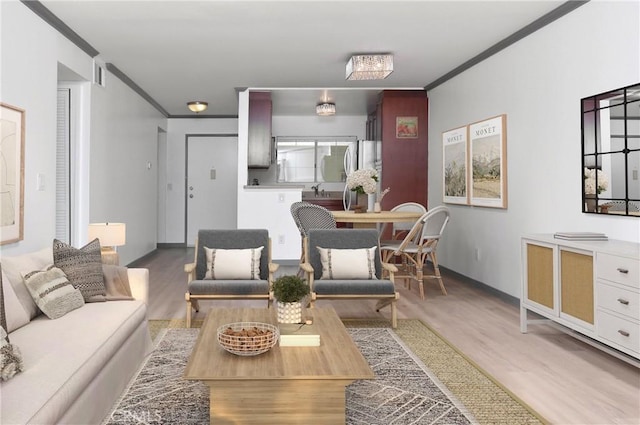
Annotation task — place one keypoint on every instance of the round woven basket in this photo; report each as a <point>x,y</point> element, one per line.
<point>248,338</point>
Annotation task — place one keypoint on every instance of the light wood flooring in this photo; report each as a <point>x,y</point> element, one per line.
<point>563,379</point>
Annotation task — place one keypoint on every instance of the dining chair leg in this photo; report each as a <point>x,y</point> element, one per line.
<point>436,269</point>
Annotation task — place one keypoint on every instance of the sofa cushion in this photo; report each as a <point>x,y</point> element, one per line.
<point>16,266</point>
<point>62,357</point>
<point>348,263</point>
<point>52,292</point>
<point>15,313</point>
<point>226,264</point>
<point>83,267</point>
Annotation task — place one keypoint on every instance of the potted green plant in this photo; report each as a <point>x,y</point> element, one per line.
<point>290,292</point>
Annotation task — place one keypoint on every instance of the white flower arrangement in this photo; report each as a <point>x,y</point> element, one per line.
<point>363,181</point>
<point>590,181</point>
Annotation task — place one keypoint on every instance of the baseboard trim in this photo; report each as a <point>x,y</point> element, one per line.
<point>171,245</point>
<point>142,260</point>
<point>510,299</point>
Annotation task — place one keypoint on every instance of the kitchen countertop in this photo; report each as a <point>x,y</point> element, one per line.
<point>274,187</point>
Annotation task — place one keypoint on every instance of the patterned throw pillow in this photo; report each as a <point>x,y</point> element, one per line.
<point>348,263</point>
<point>233,264</point>
<point>52,292</point>
<point>83,268</point>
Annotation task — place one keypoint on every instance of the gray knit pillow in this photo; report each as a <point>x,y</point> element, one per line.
<point>52,292</point>
<point>83,268</point>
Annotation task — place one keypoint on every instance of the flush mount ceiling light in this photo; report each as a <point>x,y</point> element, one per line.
<point>369,67</point>
<point>326,108</point>
<point>197,106</point>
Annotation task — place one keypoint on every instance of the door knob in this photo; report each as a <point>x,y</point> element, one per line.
<point>191,196</point>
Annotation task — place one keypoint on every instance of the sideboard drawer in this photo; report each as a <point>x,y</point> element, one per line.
<point>619,331</point>
<point>619,300</point>
<point>623,270</point>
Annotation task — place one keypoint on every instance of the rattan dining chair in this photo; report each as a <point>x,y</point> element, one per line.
<point>418,247</point>
<point>400,229</point>
<point>309,216</point>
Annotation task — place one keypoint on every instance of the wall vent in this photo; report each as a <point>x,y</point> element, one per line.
<point>99,74</point>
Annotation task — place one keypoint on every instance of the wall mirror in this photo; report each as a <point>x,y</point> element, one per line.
<point>611,152</point>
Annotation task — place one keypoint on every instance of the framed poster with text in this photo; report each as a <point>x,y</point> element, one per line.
<point>455,164</point>
<point>488,162</point>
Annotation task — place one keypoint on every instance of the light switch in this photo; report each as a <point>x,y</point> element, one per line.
<point>635,174</point>
<point>212,174</point>
<point>40,181</point>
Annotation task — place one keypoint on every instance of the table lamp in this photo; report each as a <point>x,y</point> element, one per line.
<point>110,235</point>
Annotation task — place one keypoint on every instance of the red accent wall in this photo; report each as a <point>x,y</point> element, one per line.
<point>404,161</point>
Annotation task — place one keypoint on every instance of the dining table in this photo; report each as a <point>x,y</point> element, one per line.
<point>374,219</point>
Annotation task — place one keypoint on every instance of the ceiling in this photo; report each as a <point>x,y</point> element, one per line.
<point>177,51</point>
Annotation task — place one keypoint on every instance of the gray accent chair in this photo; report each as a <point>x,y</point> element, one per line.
<point>208,289</point>
<point>381,288</point>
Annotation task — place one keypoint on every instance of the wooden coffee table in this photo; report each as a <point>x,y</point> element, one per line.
<point>286,385</point>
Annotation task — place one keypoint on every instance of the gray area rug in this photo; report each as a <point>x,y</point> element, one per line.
<point>404,391</point>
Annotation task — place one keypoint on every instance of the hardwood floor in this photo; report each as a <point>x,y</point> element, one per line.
<point>563,379</point>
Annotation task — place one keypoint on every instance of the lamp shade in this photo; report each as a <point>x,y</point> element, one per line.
<point>109,234</point>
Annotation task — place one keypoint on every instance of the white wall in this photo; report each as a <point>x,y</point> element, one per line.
<point>178,129</point>
<point>123,166</point>
<point>118,136</point>
<point>28,79</point>
<point>538,83</point>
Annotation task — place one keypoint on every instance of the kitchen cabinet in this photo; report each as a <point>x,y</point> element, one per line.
<point>259,136</point>
<point>404,160</point>
<point>590,287</point>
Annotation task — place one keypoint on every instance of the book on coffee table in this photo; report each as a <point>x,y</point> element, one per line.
<point>298,335</point>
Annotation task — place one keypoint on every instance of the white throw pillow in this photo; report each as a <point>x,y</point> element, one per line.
<point>15,313</point>
<point>16,266</point>
<point>233,264</point>
<point>348,263</point>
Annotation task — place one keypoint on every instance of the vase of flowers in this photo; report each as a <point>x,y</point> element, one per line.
<point>364,182</point>
<point>595,182</point>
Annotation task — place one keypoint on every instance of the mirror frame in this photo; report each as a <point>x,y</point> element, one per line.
<point>593,108</point>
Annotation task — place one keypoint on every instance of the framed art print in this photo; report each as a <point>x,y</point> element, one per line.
<point>488,157</point>
<point>11,174</point>
<point>455,166</point>
<point>406,127</point>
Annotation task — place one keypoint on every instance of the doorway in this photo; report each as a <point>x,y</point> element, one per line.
<point>211,183</point>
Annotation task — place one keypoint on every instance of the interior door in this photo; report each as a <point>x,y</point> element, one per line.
<point>211,184</point>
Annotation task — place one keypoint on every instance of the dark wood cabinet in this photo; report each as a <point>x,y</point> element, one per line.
<point>260,142</point>
<point>404,160</point>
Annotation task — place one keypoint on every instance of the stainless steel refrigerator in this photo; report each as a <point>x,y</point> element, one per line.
<point>364,154</point>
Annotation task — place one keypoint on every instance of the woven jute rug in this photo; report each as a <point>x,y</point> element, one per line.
<point>478,396</point>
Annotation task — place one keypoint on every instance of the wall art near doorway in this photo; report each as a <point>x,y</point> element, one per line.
<point>488,162</point>
<point>455,166</point>
<point>406,127</point>
<point>11,173</point>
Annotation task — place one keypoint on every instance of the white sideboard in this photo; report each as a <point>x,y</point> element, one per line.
<point>590,287</point>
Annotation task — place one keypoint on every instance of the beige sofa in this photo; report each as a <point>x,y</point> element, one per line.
<point>76,366</point>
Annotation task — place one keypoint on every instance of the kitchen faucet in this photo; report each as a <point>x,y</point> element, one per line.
<point>315,189</point>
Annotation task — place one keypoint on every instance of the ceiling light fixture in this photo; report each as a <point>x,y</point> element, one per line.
<point>197,106</point>
<point>369,67</point>
<point>326,109</point>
